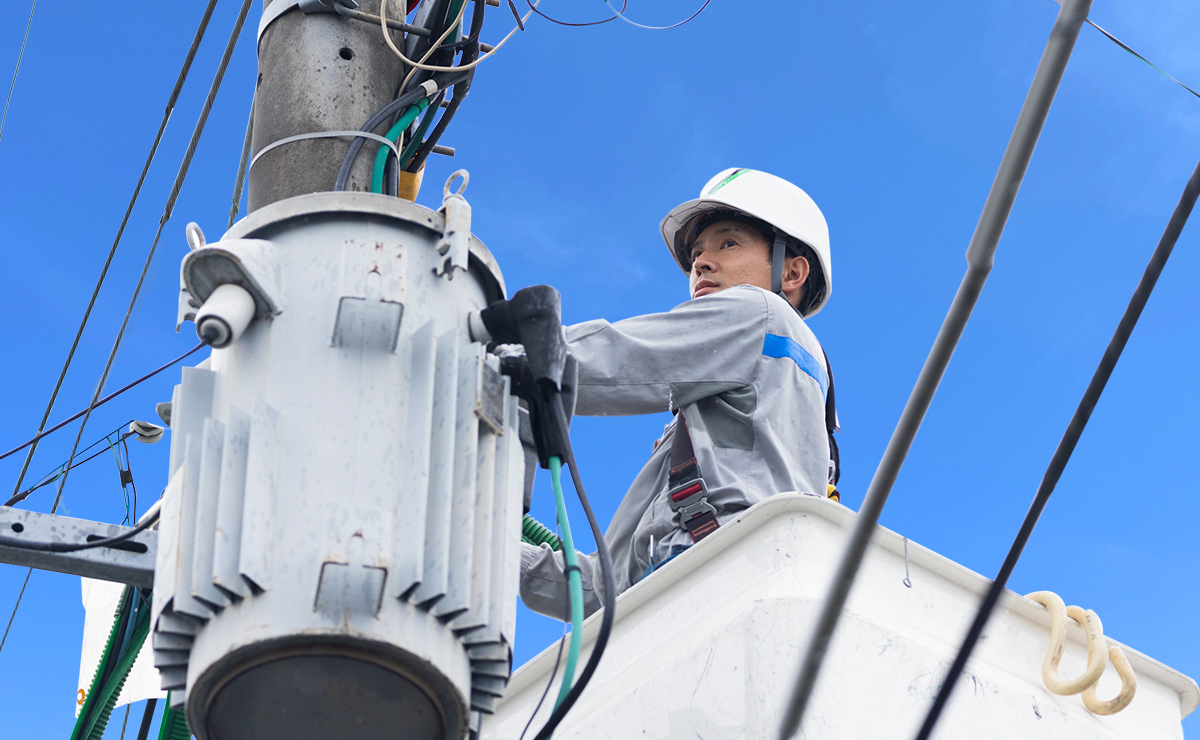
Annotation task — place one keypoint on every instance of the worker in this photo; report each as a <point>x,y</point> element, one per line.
<point>749,382</point>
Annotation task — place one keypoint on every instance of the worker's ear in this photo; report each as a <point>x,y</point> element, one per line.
<point>795,272</point>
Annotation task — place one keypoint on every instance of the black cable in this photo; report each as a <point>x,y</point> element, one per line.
<point>47,480</point>
<point>1070,438</point>
<point>476,27</point>
<point>553,672</point>
<point>609,19</point>
<point>21,544</point>
<point>471,49</point>
<point>374,121</point>
<point>104,400</point>
<point>147,719</point>
<point>162,126</point>
<point>610,586</point>
<point>397,105</point>
<point>162,222</point>
<point>460,92</point>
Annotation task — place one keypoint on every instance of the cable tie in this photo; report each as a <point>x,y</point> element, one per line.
<point>325,135</point>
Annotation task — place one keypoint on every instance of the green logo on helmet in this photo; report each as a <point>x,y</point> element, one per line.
<point>733,176</point>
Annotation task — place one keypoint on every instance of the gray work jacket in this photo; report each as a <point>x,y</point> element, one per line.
<point>750,379</point>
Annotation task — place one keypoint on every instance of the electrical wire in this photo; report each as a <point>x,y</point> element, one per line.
<point>621,15</point>
<point>394,133</point>
<point>1062,455</point>
<point>162,126</point>
<point>562,641</point>
<point>574,580</point>
<point>609,595</point>
<point>1127,48</point>
<point>60,469</point>
<point>400,103</point>
<point>21,544</point>
<point>20,56</point>
<point>147,719</point>
<point>179,178</point>
<point>609,19</point>
<point>419,135</point>
<point>462,9</point>
<point>459,68</point>
<point>16,606</point>
<point>104,400</point>
<point>460,93</point>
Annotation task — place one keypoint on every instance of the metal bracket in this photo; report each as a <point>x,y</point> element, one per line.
<point>130,561</point>
<point>453,246</point>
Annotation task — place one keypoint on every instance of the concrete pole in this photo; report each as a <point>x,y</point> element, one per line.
<point>316,72</point>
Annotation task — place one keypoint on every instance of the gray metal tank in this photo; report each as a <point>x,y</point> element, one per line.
<point>340,537</point>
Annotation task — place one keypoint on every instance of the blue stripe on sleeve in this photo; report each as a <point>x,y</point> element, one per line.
<point>781,347</point>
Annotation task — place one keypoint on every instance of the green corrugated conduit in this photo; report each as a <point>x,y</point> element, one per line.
<point>125,641</point>
<point>536,533</point>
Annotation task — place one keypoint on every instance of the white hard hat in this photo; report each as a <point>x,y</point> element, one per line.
<point>773,200</point>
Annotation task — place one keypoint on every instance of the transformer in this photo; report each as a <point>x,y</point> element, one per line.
<point>340,537</point>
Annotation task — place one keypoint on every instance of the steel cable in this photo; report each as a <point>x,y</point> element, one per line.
<point>240,181</point>
<point>20,56</point>
<point>980,256</point>
<point>1062,455</point>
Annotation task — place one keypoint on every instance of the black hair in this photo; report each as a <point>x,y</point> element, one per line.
<point>814,285</point>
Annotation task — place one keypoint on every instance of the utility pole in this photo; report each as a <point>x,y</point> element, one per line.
<point>317,71</point>
<point>339,544</point>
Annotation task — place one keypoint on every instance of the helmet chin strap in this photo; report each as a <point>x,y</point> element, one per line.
<point>778,252</point>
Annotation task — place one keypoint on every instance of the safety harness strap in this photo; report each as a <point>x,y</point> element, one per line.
<point>686,492</point>
<point>831,426</point>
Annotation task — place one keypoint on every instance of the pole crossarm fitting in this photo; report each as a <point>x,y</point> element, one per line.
<point>130,561</point>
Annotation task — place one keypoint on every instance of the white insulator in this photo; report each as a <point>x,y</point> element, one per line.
<point>224,316</point>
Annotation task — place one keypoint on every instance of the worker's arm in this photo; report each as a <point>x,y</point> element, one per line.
<point>544,582</point>
<point>628,367</point>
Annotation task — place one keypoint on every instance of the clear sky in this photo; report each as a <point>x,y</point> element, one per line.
<point>893,116</point>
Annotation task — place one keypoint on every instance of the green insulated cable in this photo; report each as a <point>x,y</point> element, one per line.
<point>536,533</point>
<point>417,138</point>
<point>393,134</point>
<point>574,580</point>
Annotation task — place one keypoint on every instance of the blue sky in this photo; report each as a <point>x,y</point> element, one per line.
<point>892,116</point>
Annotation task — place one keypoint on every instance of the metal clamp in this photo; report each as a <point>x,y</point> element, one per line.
<point>279,7</point>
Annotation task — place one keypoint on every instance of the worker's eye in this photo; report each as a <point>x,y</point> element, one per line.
<point>728,243</point>
<point>696,254</point>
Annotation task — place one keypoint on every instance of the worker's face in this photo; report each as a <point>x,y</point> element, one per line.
<point>726,254</point>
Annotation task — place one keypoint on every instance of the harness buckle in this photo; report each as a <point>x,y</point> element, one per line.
<point>690,500</point>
